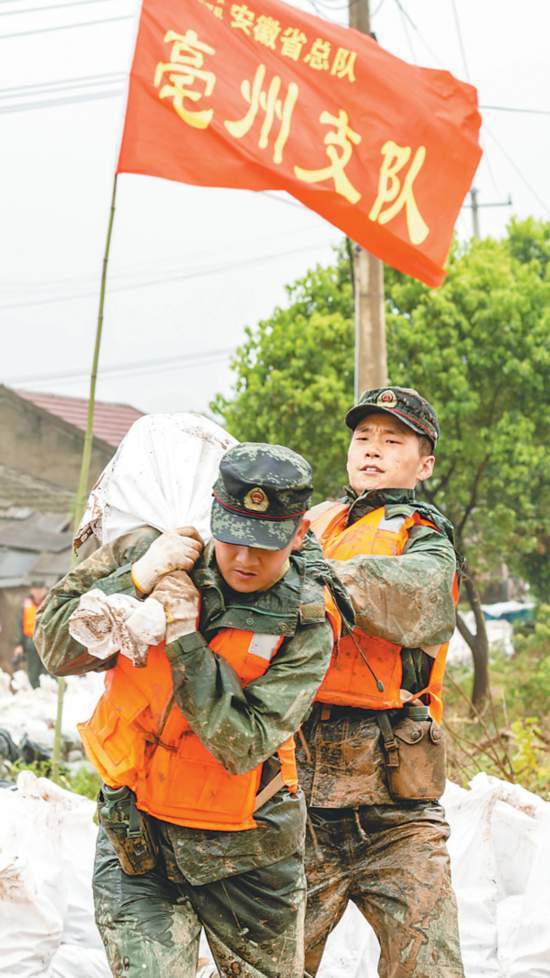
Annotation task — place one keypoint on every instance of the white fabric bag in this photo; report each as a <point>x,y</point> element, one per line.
<point>161,476</point>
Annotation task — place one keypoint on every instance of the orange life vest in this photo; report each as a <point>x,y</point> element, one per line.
<point>139,737</point>
<point>28,617</point>
<point>361,664</point>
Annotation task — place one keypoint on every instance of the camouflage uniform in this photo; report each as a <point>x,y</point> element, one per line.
<point>389,857</point>
<point>247,888</point>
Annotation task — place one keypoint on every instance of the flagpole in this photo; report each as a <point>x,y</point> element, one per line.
<point>82,493</point>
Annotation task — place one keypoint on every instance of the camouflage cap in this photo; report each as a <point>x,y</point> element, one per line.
<point>402,403</point>
<point>260,496</point>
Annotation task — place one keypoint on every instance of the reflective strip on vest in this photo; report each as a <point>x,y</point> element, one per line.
<point>138,737</point>
<point>361,663</point>
<point>28,618</point>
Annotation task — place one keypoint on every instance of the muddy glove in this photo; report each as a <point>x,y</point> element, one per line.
<point>180,599</point>
<point>106,624</point>
<point>175,550</point>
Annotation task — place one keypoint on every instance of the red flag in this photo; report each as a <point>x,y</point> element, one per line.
<point>265,97</point>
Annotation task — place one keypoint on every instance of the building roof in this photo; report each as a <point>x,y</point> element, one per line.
<point>111,421</point>
<point>33,545</point>
<point>20,493</point>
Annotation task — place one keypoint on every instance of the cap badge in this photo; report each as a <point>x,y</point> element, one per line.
<point>386,399</point>
<point>257,500</point>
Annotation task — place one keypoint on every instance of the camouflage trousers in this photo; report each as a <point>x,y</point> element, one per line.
<point>392,862</point>
<point>150,926</point>
<point>35,669</point>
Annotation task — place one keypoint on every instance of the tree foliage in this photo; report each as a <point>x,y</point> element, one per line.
<point>476,347</point>
<point>294,376</point>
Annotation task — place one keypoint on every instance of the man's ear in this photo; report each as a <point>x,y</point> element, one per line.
<point>425,468</point>
<point>298,537</point>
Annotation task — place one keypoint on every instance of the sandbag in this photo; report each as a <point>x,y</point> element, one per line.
<point>47,842</point>
<point>161,476</point>
<point>70,961</point>
<point>32,888</point>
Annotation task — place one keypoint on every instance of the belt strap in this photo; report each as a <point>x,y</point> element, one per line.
<point>271,788</point>
<point>391,746</point>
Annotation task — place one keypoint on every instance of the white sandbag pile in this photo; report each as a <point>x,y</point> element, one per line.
<point>24,710</point>
<point>47,840</point>
<point>500,852</point>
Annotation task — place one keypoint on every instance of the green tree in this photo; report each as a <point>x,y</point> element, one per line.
<point>294,376</point>
<point>476,347</point>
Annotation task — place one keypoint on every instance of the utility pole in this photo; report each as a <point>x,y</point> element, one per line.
<point>475,206</point>
<point>475,212</point>
<point>370,332</point>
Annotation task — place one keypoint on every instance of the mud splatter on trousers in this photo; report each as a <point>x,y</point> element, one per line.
<point>392,862</point>
<point>150,925</point>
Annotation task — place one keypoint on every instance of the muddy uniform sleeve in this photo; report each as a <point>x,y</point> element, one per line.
<point>107,569</point>
<point>242,727</point>
<point>405,599</point>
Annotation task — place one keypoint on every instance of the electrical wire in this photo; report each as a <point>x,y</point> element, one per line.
<point>67,27</point>
<point>53,6</point>
<point>518,170</point>
<point>162,280</point>
<point>436,58</point>
<point>510,108</point>
<point>62,84</point>
<point>460,39</point>
<point>486,159</point>
<point>110,77</point>
<point>168,264</point>
<point>54,102</point>
<point>406,32</point>
<point>199,358</point>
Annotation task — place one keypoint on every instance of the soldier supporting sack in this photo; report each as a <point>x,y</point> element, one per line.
<point>201,819</point>
<point>373,769</point>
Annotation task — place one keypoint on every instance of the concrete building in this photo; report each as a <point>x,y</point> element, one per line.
<point>41,441</point>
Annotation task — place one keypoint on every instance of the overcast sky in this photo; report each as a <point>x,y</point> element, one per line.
<point>191,267</point>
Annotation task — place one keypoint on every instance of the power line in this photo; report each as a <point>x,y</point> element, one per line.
<point>518,171</point>
<point>141,366</point>
<point>68,27</point>
<point>168,264</point>
<point>460,39</point>
<point>53,6</point>
<point>406,32</point>
<point>63,84</point>
<point>486,159</point>
<point>105,78</point>
<point>510,108</point>
<point>377,9</point>
<point>161,280</point>
<point>421,38</point>
<point>65,100</point>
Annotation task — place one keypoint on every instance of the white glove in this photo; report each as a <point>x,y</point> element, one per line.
<point>106,624</point>
<point>180,599</point>
<point>175,550</point>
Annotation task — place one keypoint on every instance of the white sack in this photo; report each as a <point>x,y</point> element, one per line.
<point>47,843</point>
<point>352,950</point>
<point>32,889</point>
<point>70,961</point>
<point>161,476</point>
<point>524,920</point>
<point>32,711</point>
